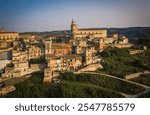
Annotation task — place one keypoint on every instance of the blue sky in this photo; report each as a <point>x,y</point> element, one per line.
<point>48,15</point>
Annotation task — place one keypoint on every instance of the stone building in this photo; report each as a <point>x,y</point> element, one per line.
<point>89,55</point>
<point>50,76</point>
<point>55,63</point>
<point>123,40</point>
<point>61,49</point>
<point>6,55</point>
<point>71,62</point>
<point>79,50</point>
<point>47,76</point>
<point>82,43</point>
<point>34,52</point>
<point>66,62</point>
<point>6,38</point>
<point>19,65</point>
<point>19,56</point>
<point>101,44</point>
<point>56,49</point>
<point>20,61</point>
<point>83,33</point>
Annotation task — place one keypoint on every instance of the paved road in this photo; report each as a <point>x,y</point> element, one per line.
<point>147,88</point>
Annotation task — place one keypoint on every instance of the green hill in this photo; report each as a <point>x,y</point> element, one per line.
<point>74,86</point>
<point>132,32</point>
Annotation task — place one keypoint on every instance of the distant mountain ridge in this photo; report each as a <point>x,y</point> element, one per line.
<point>130,32</point>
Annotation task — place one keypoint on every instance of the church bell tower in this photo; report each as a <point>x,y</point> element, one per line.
<point>74,28</point>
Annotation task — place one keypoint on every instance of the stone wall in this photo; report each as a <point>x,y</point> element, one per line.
<point>134,75</point>
<point>91,67</point>
<point>6,55</point>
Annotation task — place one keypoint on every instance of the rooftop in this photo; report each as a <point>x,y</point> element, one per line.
<point>72,56</point>
<point>60,45</point>
<point>8,32</point>
<point>84,29</point>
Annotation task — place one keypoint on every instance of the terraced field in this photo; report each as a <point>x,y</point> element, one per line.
<point>75,86</point>
<point>82,89</point>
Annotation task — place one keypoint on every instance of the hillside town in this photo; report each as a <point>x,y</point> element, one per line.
<point>23,54</point>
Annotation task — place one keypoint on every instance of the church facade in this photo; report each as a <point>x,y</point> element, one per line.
<point>83,33</point>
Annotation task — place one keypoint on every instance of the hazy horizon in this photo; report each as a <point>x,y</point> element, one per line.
<point>87,28</point>
<point>51,15</point>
